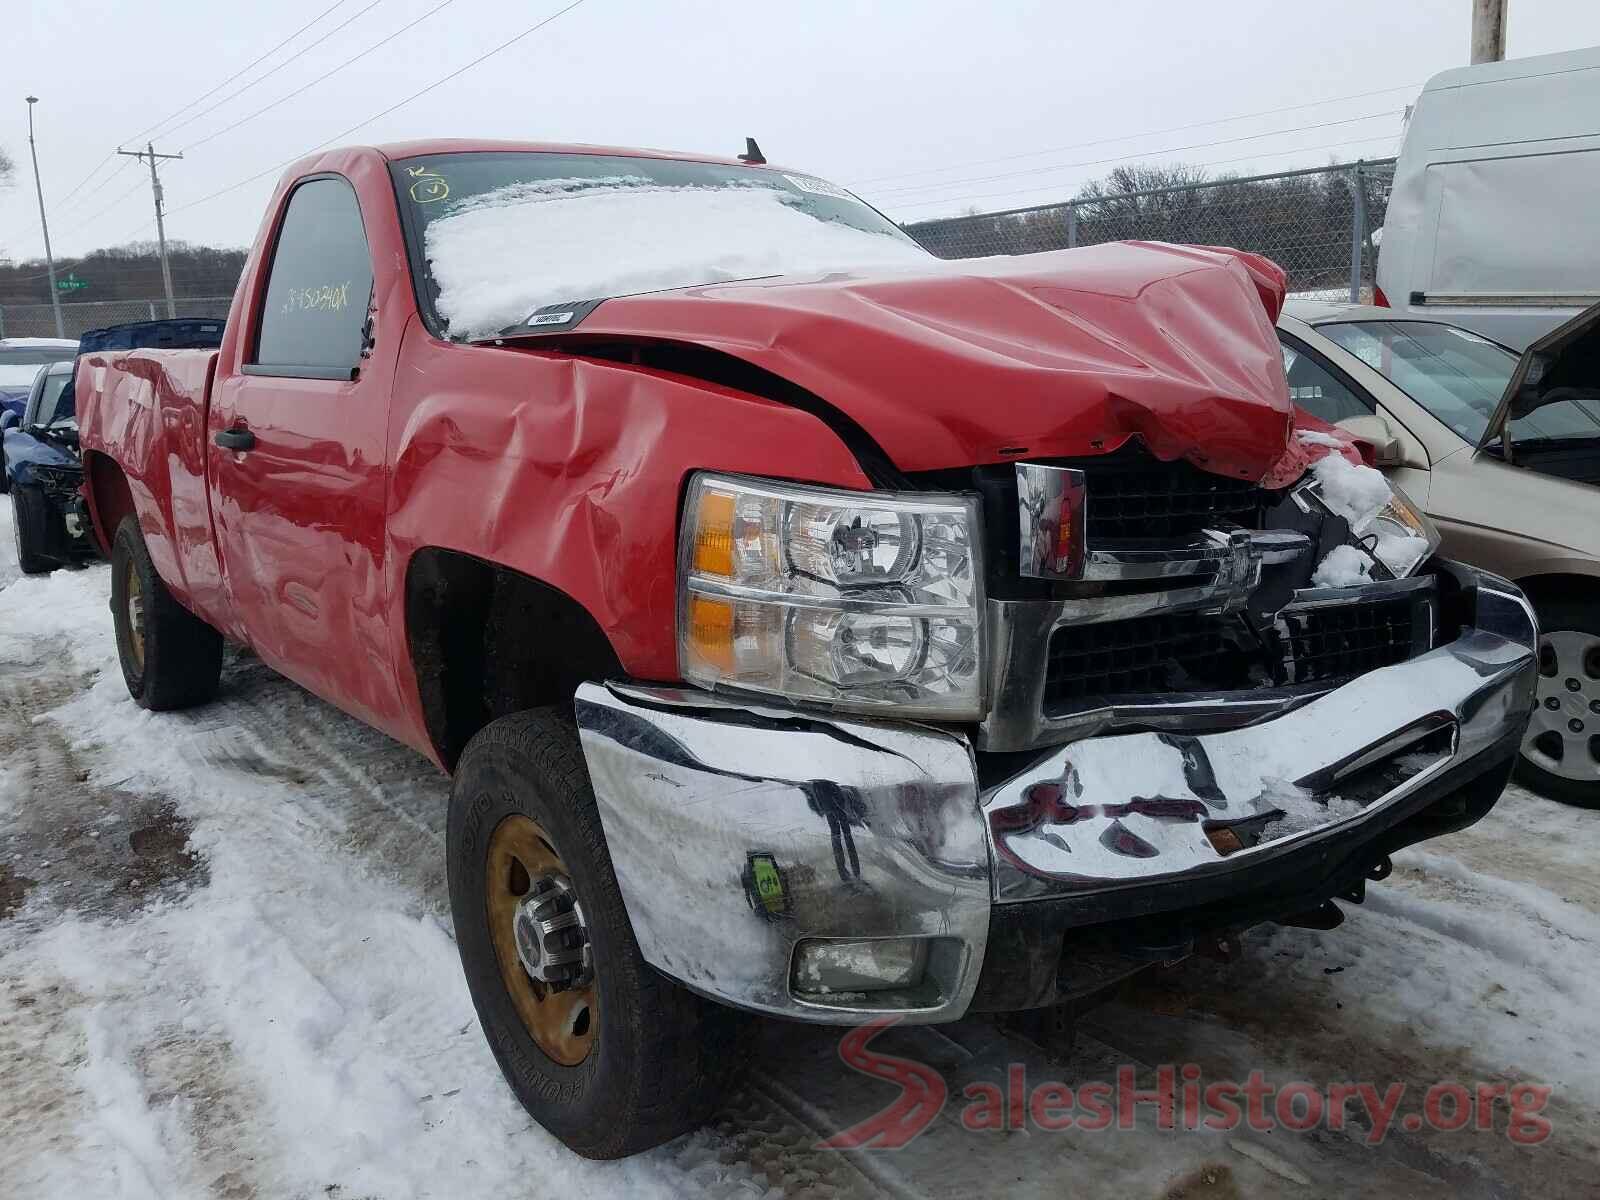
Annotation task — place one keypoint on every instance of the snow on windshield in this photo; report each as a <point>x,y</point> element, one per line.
<point>509,251</point>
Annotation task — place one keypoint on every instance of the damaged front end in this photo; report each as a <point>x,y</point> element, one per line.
<point>1183,736</point>
<point>49,464</point>
<point>1160,669</point>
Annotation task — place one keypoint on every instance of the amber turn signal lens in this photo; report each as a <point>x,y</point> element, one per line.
<point>713,536</point>
<point>710,624</point>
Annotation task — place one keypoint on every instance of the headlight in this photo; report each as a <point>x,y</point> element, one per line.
<point>1405,537</point>
<point>1382,518</point>
<point>861,600</point>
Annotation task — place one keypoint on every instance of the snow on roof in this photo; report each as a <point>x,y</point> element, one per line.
<point>507,252</point>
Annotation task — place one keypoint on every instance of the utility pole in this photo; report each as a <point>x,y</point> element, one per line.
<point>49,258</point>
<point>149,152</point>
<point>1488,31</point>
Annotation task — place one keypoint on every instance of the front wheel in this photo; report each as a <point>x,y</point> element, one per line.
<point>606,1054</point>
<point>1561,752</point>
<point>30,524</point>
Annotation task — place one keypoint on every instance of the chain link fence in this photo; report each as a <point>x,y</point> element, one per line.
<point>1317,224</point>
<point>39,320</point>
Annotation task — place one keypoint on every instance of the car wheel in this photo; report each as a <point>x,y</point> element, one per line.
<point>30,516</point>
<point>608,1055</point>
<point>1561,752</point>
<point>170,657</point>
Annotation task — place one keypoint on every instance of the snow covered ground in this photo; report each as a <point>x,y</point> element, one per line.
<point>226,969</point>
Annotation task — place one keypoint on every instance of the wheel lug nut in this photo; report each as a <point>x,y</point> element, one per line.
<point>1594,706</point>
<point>1552,704</point>
<point>1575,725</point>
<point>1573,685</point>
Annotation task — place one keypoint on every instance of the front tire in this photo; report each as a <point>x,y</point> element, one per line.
<point>30,516</point>
<point>1560,756</point>
<point>170,657</point>
<point>608,1055</point>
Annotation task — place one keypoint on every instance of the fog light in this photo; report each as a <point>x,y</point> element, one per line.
<point>878,965</point>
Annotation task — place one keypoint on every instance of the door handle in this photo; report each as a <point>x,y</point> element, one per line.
<point>235,439</point>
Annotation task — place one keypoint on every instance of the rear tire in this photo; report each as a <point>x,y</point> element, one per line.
<point>30,516</point>
<point>1560,757</point>
<point>645,1060</point>
<point>170,657</point>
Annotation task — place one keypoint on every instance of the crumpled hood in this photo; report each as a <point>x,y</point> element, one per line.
<point>1067,353</point>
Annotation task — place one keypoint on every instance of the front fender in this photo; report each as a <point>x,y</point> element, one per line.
<point>571,470</point>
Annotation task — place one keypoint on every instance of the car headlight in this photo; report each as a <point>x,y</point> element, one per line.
<point>861,600</point>
<point>1383,520</point>
<point>1400,535</point>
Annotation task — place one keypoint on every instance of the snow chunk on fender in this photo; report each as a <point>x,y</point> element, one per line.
<point>1356,493</point>
<point>1343,566</point>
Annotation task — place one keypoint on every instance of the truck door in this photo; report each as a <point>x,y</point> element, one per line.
<point>297,443</point>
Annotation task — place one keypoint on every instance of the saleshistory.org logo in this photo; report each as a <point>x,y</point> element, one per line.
<point>1180,1099</point>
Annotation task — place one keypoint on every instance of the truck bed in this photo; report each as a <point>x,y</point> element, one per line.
<point>146,409</point>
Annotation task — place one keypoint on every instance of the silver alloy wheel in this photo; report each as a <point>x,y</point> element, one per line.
<point>1564,735</point>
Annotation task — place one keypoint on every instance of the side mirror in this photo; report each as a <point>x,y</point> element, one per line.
<point>9,420</point>
<point>1374,429</point>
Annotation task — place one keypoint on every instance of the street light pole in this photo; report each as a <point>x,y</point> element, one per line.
<point>161,229</point>
<point>49,258</point>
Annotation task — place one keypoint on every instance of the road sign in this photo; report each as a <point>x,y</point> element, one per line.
<point>71,283</point>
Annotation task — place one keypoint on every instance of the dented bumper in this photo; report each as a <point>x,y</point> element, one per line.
<point>739,831</point>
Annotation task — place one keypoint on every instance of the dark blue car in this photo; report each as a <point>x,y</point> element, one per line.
<point>39,456</point>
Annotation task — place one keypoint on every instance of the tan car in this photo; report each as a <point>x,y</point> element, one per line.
<point>1503,452</point>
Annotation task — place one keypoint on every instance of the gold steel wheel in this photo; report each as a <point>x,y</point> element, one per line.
<point>540,940</point>
<point>135,594</point>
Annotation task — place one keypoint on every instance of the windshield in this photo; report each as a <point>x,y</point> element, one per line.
<point>498,236</point>
<point>1457,376</point>
<point>55,399</point>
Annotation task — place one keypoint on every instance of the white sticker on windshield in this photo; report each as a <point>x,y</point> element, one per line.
<point>818,187</point>
<point>556,318</point>
<point>1467,335</point>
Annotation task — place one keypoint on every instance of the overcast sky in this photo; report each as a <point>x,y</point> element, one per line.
<point>924,107</point>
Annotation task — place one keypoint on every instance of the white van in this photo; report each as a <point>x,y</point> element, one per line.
<point>1494,220</point>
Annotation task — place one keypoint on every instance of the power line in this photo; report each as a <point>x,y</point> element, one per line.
<point>1382,137</point>
<point>268,74</point>
<point>347,62</point>
<point>1096,162</point>
<point>1128,137</point>
<point>73,191</point>
<point>98,213</point>
<point>112,154</point>
<point>64,206</point>
<point>233,187</point>
<point>185,107</point>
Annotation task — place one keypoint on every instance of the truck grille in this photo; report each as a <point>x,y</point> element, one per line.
<point>1337,642</point>
<point>1142,656</point>
<point>1175,654</point>
<point>1142,498</point>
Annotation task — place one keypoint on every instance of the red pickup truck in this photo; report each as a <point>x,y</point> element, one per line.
<point>812,627</point>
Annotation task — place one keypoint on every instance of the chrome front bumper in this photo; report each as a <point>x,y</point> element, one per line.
<point>877,829</point>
